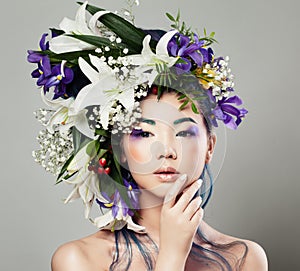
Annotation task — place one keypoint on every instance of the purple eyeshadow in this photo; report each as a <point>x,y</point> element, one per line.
<point>194,130</point>
<point>136,132</point>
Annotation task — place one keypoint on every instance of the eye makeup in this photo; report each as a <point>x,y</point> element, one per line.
<point>138,133</point>
<point>191,131</point>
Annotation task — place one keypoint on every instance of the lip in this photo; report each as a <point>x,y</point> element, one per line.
<point>170,170</point>
<point>167,174</point>
<point>167,177</point>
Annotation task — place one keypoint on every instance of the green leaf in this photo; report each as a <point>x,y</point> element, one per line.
<point>79,139</point>
<point>93,148</point>
<point>63,170</point>
<point>178,15</point>
<point>57,32</point>
<point>170,17</point>
<point>194,108</point>
<point>99,41</point>
<point>131,36</point>
<point>183,105</point>
<point>181,97</point>
<point>102,132</point>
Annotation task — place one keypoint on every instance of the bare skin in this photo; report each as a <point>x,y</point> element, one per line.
<point>95,252</point>
<point>174,218</point>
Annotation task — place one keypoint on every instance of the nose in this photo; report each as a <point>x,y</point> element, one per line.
<point>167,152</point>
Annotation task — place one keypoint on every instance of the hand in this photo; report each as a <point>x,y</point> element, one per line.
<point>180,219</point>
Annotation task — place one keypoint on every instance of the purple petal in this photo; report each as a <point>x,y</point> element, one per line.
<point>69,75</point>
<point>183,67</point>
<point>115,210</point>
<point>192,48</point>
<point>198,58</point>
<point>184,41</point>
<point>36,73</point>
<point>42,80</point>
<point>34,57</point>
<point>56,70</point>
<point>46,66</point>
<point>234,100</point>
<point>243,112</point>
<point>219,113</point>
<point>230,109</point>
<point>230,123</point>
<point>52,81</point>
<point>44,45</point>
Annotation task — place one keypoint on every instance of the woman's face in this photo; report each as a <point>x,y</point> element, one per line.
<point>167,144</point>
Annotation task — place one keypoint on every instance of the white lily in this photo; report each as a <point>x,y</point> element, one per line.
<point>84,181</point>
<point>147,60</point>
<point>105,89</point>
<point>108,222</point>
<point>79,26</point>
<point>67,117</point>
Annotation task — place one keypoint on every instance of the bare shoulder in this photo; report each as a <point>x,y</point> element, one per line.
<point>70,256</point>
<point>93,252</point>
<point>256,258</point>
<point>255,255</point>
<point>252,255</point>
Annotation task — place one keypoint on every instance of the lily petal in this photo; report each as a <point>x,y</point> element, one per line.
<point>64,44</point>
<point>94,20</point>
<point>162,45</point>
<point>89,72</point>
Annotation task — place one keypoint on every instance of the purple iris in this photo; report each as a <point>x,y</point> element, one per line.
<point>59,78</point>
<point>226,112</point>
<point>115,204</point>
<point>43,71</point>
<point>36,57</point>
<point>133,193</point>
<point>189,51</point>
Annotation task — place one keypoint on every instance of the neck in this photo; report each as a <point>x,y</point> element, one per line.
<point>150,213</point>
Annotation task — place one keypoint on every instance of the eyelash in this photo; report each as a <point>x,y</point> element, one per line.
<point>146,134</point>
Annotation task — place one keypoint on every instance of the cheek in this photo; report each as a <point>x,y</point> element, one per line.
<point>193,158</point>
<point>140,156</point>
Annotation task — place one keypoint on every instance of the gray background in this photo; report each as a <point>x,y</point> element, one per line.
<point>257,192</point>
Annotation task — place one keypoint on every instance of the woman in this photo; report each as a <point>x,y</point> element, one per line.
<point>141,127</point>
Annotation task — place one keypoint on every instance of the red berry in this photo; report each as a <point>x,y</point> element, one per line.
<point>154,90</point>
<point>102,162</point>
<point>107,170</point>
<point>100,170</point>
<point>90,168</point>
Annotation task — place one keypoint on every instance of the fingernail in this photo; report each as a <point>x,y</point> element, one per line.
<point>200,181</point>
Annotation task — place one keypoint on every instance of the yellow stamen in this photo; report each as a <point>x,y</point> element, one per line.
<point>59,77</point>
<point>108,205</point>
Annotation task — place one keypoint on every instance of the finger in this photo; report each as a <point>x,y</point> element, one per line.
<point>197,217</point>
<point>188,195</point>
<point>170,197</point>
<point>193,207</point>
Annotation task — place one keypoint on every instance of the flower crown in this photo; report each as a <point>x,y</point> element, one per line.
<point>93,76</point>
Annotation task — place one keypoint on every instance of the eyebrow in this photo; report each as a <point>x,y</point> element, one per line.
<point>152,122</point>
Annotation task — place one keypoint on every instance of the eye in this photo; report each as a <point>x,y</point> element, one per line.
<point>140,133</point>
<point>186,133</point>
